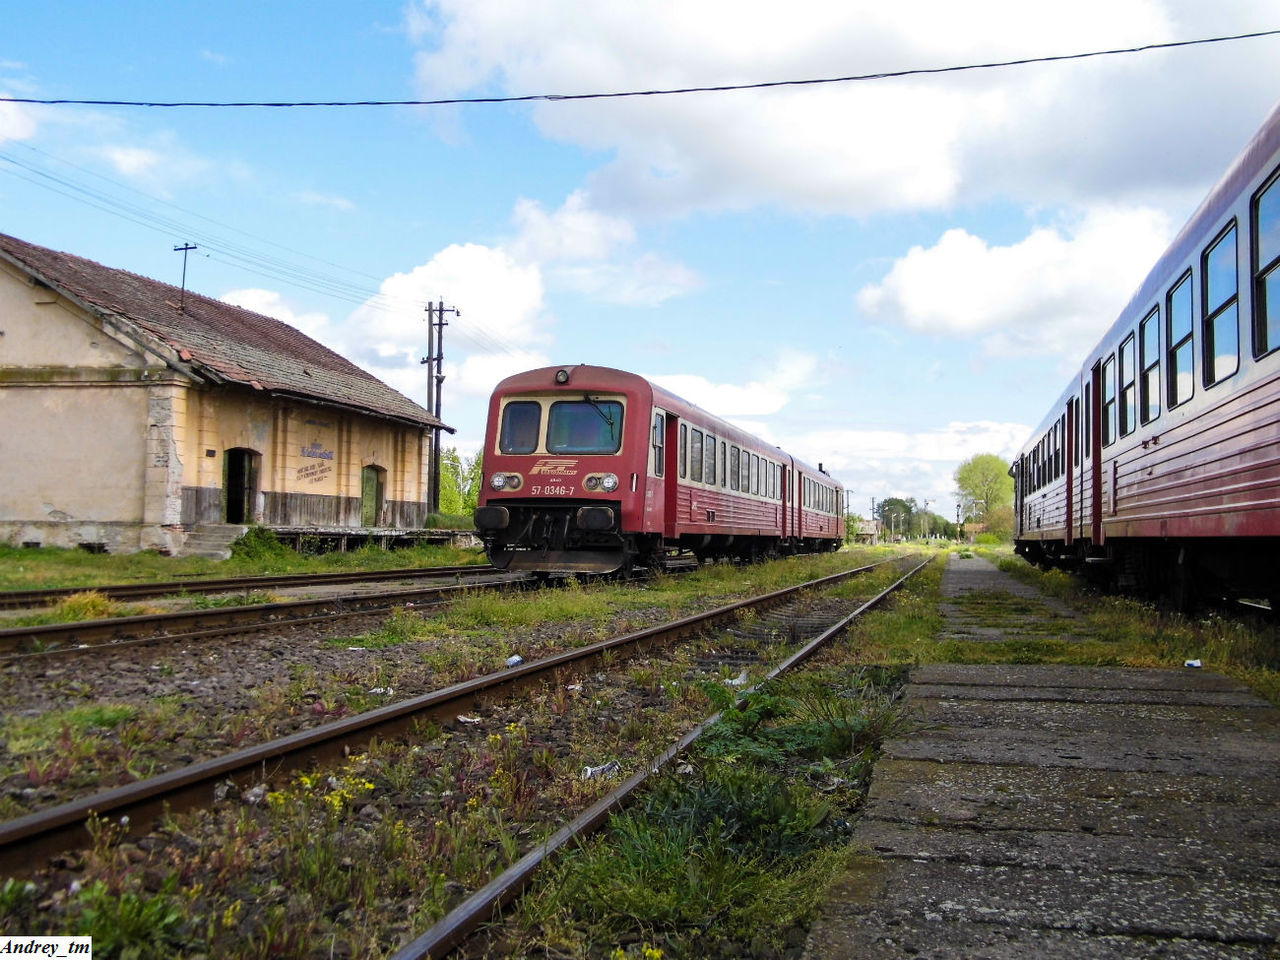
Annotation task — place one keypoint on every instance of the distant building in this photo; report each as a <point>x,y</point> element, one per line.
<point>132,413</point>
<point>867,531</point>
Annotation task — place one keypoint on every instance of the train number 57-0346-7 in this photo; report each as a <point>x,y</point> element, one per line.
<point>551,491</point>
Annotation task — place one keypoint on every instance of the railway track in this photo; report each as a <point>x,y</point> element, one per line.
<point>82,636</point>
<point>28,840</point>
<point>22,599</point>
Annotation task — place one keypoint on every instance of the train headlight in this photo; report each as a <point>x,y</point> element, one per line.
<point>609,482</point>
<point>592,482</point>
<point>505,481</point>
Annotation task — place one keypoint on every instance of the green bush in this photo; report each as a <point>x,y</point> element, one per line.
<point>259,543</point>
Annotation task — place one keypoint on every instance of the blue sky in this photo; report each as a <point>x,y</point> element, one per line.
<point>886,277</point>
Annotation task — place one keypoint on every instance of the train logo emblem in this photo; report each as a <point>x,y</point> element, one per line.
<point>552,467</point>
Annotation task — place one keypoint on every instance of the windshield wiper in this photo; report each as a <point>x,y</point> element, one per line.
<point>600,410</point>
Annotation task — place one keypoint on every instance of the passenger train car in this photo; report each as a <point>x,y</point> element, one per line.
<point>590,469</point>
<point>1158,468</point>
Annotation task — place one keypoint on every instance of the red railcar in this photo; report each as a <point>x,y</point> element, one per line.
<point>1159,466</point>
<point>590,469</point>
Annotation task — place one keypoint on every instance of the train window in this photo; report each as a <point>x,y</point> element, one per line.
<point>1221,309</point>
<point>709,474</point>
<point>521,420</point>
<point>1062,444</point>
<point>746,471</point>
<point>695,455</point>
<point>1149,358</point>
<point>584,426</point>
<point>1180,338</point>
<point>684,451</point>
<point>1266,268</point>
<point>1128,386</point>
<point>735,468</point>
<point>1109,401</point>
<point>724,464</point>
<point>659,444</point>
<point>755,474</point>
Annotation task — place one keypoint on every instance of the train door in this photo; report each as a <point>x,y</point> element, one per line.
<point>665,513</point>
<point>784,493</point>
<point>1095,454</point>
<point>1069,457</point>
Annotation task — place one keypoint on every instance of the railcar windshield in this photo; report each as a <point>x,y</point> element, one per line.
<point>520,422</point>
<point>585,426</point>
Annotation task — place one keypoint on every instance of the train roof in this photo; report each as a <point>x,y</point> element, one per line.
<point>621,380</point>
<point>1248,164</point>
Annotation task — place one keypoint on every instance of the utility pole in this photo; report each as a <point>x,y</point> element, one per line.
<point>435,372</point>
<point>182,297</point>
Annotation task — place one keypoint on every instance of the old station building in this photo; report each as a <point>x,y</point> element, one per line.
<point>133,415</point>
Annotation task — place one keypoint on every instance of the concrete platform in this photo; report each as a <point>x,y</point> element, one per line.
<point>1065,812</point>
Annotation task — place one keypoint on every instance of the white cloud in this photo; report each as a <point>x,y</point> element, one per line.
<point>270,303</point>
<point>132,161</point>
<point>159,164</point>
<point>860,148</point>
<point>589,252</point>
<point>909,464</point>
<point>501,301</point>
<point>793,370</point>
<point>647,280</point>
<point>1053,292</point>
<point>17,122</point>
<point>574,232</point>
<point>313,199</point>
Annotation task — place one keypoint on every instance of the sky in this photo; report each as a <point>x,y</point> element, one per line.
<point>883,276</point>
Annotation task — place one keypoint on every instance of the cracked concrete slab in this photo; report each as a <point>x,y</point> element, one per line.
<point>1066,812</point>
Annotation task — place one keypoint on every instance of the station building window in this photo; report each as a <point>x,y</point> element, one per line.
<point>1181,336</point>
<point>1220,309</point>
<point>1266,267</point>
<point>1149,358</point>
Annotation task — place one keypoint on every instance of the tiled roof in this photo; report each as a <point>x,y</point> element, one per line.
<point>230,343</point>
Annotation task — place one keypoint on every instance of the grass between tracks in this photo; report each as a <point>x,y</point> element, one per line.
<point>257,553</point>
<point>728,856</point>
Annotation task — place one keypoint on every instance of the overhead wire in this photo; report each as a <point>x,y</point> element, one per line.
<point>276,268</point>
<point>671,91</point>
<point>229,253</point>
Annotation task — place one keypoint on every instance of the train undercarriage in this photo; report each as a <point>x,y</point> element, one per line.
<point>570,537</point>
<point>1180,572</point>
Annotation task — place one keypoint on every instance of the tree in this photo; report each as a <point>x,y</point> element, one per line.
<point>984,485</point>
<point>460,479</point>
<point>895,515</point>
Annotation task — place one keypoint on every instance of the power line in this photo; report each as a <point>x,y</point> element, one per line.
<point>722,88</point>
<point>236,255</point>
